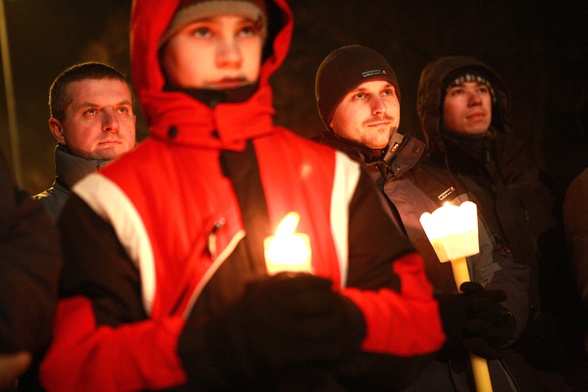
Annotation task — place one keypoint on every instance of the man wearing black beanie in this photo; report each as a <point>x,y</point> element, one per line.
<point>345,70</point>
<point>358,100</point>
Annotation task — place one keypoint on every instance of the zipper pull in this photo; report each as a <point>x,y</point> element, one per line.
<point>211,243</point>
<point>502,243</point>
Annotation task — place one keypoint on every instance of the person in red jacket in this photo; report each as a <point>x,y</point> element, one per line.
<point>165,283</point>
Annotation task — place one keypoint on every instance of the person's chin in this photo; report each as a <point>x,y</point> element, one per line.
<point>379,144</point>
<point>376,146</point>
<point>109,153</point>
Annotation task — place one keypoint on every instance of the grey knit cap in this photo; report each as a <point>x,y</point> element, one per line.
<point>192,10</point>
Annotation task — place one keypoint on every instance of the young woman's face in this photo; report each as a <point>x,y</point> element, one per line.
<point>221,52</point>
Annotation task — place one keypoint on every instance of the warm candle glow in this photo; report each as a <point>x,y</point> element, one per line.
<point>287,250</point>
<point>452,230</point>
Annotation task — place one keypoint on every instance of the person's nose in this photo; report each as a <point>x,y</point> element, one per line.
<point>109,121</point>
<point>378,105</point>
<point>474,98</point>
<point>228,53</point>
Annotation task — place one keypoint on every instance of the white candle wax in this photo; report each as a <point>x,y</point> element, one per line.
<point>452,230</point>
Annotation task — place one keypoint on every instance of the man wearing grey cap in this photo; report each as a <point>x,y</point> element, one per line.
<point>358,100</point>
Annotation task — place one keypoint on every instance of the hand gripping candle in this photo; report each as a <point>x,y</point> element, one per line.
<point>453,233</point>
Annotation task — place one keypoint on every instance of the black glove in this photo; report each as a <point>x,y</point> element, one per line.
<point>489,325</point>
<point>475,321</point>
<point>282,322</point>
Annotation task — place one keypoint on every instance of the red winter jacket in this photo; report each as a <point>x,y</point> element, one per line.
<point>144,235</point>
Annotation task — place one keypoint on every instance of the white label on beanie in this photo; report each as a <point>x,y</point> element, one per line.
<point>374,72</point>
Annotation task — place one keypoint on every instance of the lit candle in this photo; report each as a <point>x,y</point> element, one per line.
<point>287,250</point>
<point>452,230</point>
<point>453,233</point>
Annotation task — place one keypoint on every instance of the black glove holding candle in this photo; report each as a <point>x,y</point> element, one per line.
<point>282,322</point>
<point>475,322</point>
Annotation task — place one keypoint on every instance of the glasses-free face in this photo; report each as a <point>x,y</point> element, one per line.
<point>369,114</point>
<point>467,109</point>
<point>99,120</point>
<point>221,52</point>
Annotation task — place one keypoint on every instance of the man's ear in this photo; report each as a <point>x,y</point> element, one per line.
<point>56,128</point>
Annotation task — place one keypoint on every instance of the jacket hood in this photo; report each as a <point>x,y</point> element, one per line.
<point>178,118</point>
<point>431,93</point>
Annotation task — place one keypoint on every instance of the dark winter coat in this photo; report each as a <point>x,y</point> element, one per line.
<point>409,188</point>
<point>30,262</point>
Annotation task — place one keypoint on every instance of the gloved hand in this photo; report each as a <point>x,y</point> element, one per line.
<point>280,322</point>
<point>489,324</point>
<point>475,321</point>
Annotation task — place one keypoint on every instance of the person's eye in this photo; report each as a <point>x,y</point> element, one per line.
<point>90,112</point>
<point>483,89</point>
<point>388,91</point>
<point>359,96</point>
<point>123,110</point>
<point>247,31</point>
<point>201,32</point>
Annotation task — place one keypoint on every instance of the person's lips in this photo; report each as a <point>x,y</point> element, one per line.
<point>476,116</point>
<point>110,142</point>
<point>379,124</point>
<point>228,83</point>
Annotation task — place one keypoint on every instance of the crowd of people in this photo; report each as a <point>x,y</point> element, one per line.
<point>143,267</point>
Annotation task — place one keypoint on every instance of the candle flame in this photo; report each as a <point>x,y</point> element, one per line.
<point>287,250</point>
<point>288,225</point>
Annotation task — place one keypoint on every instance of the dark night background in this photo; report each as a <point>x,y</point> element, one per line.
<point>539,48</point>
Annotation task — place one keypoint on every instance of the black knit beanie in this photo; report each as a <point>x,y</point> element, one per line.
<point>343,70</point>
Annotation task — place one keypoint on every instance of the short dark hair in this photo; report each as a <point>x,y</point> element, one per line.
<point>58,94</point>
